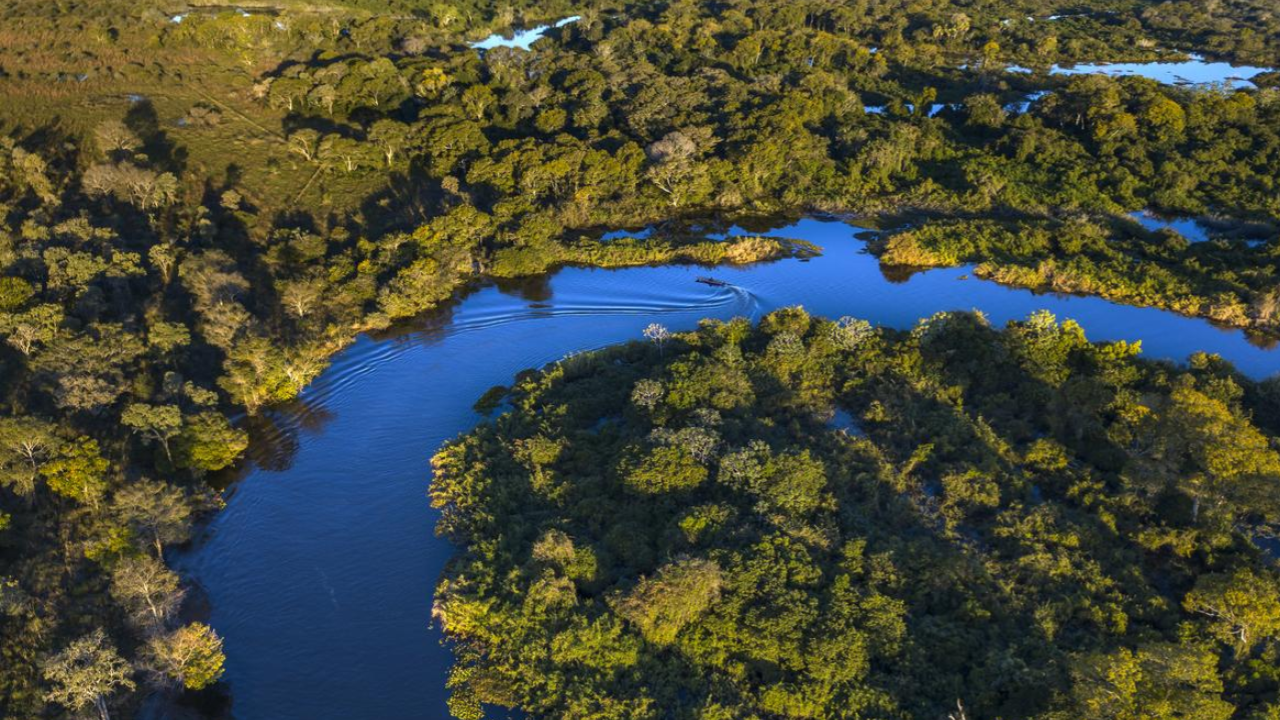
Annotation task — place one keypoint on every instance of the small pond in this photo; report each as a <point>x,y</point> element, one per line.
<point>638,233</point>
<point>523,39</point>
<point>1203,229</point>
<point>1188,227</point>
<point>1193,71</point>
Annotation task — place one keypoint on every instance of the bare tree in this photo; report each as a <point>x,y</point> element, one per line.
<point>658,334</point>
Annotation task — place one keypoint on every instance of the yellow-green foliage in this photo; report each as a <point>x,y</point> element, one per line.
<point>1043,527</point>
<point>627,252</point>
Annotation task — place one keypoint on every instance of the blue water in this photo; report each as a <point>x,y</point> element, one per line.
<point>1190,228</point>
<point>1024,105</point>
<point>319,572</point>
<point>934,109</point>
<point>523,39</point>
<point>1197,230</point>
<point>842,421</point>
<point>1195,71</point>
<point>620,234</point>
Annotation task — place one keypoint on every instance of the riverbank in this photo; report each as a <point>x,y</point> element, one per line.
<point>328,519</point>
<point>1013,503</point>
<point>1232,283</point>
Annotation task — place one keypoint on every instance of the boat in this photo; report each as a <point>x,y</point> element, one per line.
<point>713,282</point>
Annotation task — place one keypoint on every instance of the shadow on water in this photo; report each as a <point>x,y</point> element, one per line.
<point>899,274</point>
<point>274,435</point>
<point>532,289</point>
<point>320,571</point>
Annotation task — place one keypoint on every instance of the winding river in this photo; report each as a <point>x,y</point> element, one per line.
<point>319,572</point>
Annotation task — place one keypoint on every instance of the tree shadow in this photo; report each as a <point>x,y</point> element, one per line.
<point>142,119</point>
<point>408,200</point>
<point>533,288</point>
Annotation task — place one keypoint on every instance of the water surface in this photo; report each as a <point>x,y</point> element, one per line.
<point>523,39</point>
<point>319,572</point>
<point>1188,227</point>
<point>1195,71</point>
<point>1203,229</point>
<point>637,233</point>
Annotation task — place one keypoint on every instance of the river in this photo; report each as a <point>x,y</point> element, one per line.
<point>319,572</point>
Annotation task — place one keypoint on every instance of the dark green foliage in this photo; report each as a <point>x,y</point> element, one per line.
<point>1003,534</point>
<point>195,215</point>
<point>1225,279</point>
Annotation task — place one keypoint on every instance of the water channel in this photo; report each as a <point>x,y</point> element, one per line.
<point>319,572</point>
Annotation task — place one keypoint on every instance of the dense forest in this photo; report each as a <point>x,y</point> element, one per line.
<point>200,204</point>
<point>818,519</point>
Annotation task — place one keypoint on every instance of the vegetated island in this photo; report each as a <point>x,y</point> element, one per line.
<point>818,519</point>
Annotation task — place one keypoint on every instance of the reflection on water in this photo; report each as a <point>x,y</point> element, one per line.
<point>319,573</point>
<point>273,435</point>
<point>1196,71</point>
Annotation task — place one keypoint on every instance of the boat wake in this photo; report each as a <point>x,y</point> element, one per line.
<point>734,299</point>
<point>485,313</point>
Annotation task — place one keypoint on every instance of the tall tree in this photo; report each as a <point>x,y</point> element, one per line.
<point>86,673</point>
<point>147,589</point>
<point>26,444</point>
<point>190,656</point>
<point>155,510</point>
<point>156,423</point>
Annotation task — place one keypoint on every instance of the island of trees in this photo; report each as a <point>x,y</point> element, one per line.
<point>818,519</point>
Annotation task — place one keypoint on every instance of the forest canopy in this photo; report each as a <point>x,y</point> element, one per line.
<point>200,204</point>
<point>819,519</point>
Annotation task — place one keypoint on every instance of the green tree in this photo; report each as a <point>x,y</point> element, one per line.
<point>677,595</point>
<point>32,328</point>
<point>305,143</point>
<point>26,444</point>
<point>86,673</point>
<point>114,138</point>
<point>664,469</point>
<point>78,471</point>
<point>378,82</point>
<point>155,510</point>
<point>391,138</point>
<point>1213,455</point>
<point>1243,605</point>
<point>148,591</point>
<point>155,423</point>
<point>476,101</point>
<point>208,443</point>
<point>14,293</point>
<point>165,337</point>
<point>190,656</point>
<point>1166,117</point>
<point>1153,682</point>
